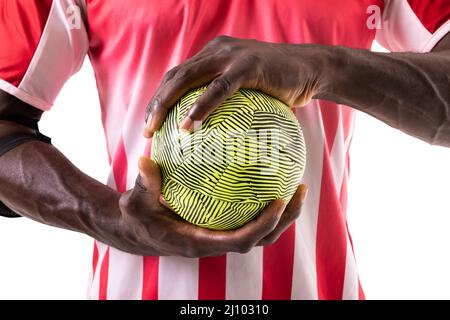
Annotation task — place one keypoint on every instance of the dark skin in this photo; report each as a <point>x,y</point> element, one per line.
<point>407,91</point>
<point>137,222</point>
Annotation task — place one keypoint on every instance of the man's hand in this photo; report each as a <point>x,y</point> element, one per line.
<point>153,226</point>
<point>229,64</point>
<point>408,91</point>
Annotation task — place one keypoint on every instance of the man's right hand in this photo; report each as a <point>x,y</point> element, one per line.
<point>60,195</point>
<point>152,229</point>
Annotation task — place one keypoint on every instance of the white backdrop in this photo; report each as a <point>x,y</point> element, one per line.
<point>399,211</point>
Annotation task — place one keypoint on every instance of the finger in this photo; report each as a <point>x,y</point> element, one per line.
<point>292,212</point>
<point>167,76</point>
<point>149,180</point>
<point>187,77</point>
<point>219,90</point>
<point>263,224</point>
<point>296,203</point>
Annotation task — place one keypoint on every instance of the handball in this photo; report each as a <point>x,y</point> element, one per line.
<point>249,152</point>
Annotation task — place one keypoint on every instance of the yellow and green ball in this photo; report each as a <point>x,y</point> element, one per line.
<point>249,152</point>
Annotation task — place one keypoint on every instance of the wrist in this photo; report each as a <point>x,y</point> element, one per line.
<point>132,233</point>
<point>329,66</point>
<point>110,225</point>
<point>103,221</point>
<point>316,67</point>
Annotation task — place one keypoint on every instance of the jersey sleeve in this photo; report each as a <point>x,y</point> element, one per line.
<point>413,25</point>
<point>42,44</point>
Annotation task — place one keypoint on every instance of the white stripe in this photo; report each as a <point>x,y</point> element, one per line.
<point>351,286</point>
<point>244,275</point>
<point>130,113</point>
<point>124,276</point>
<point>402,30</point>
<point>337,156</point>
<point>339,152</point>
<point>134,144</point>
<point>60,54</point>
<point>113,118</point>
<point>111,181</point>
<point>178,278</point>
<point>436,37</point>
<point>94,290</point>
<point>304,284</point>
<point>24,96</point>
<point>90,284</point>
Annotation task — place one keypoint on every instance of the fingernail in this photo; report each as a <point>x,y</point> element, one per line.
<point>143,164</point>
<point>304,193</point>
<point>149,121</point>
<point>147,129</point>
<point>147,134</point>
<point>154,106</point>
<point>187,124</point>
<point>164,202</point>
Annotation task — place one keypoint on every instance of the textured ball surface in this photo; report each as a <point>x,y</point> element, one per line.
<point>249,152</point>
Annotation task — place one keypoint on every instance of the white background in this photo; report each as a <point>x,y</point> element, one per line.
<point>399,211</point>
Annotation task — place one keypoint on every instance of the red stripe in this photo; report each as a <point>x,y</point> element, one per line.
<point>278,267</point>
<point>330,118</point>
<point>331,247</point>
<point>94,259</point>
<point>362,296</point>
<point>348,118</point>
<point>150,278</point>
<point>104,277</point>
<point>151,264</point>
<point>331,241</point>
<point>432,14</point>
<point>212,278</point>
<point>120,167</point>
<point>343,196</point>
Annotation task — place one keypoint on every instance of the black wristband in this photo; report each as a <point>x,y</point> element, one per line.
<point>10,142</point>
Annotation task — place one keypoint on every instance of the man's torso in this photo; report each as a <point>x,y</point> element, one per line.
<point>132,45</point>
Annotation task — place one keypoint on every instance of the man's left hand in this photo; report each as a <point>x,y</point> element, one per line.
<point>291,73</point>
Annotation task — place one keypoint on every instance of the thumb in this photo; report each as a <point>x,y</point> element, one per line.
<point>149,179</point>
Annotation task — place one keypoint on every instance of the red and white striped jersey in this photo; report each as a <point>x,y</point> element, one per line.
<point>131,44</point>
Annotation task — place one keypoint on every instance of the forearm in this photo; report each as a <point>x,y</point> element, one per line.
<point>408,91</point>
<point>38,182</point>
